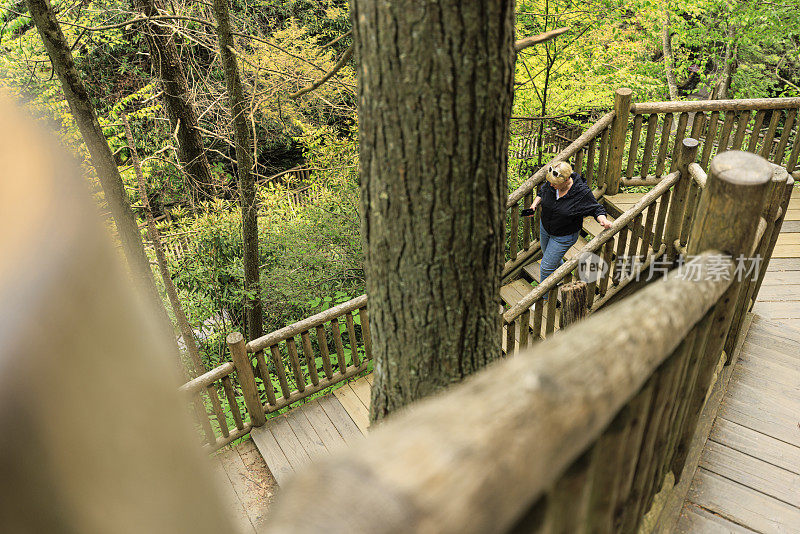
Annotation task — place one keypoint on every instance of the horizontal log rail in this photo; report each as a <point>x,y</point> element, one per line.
<point>439,468</point>
<point>206,379</point>
<point>698,174</point>
<point>310,322</point>
<point>715,105</point>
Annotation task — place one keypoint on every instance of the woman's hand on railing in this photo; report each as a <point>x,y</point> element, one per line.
<point>604,222</point>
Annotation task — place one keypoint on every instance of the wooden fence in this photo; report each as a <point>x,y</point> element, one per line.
<point>640,143</point>
<point>576,434</point>
<point>640,136</point>
<point>335,345</point>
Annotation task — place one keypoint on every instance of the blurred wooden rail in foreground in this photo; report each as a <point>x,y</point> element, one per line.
<point>95,438</point>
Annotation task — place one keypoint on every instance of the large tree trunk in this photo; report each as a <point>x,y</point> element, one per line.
<point>435,89</point>
<point>669,60</point>
<point>177,101</point>
<point>244,165</point>
<point>102,159</point>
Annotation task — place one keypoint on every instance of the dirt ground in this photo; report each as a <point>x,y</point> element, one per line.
<point>247,483</point>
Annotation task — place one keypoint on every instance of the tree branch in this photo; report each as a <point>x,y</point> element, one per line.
<point>339,64</point>
<point>524,43</point>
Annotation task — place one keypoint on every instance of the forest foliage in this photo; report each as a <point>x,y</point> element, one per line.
<point>308,226</point>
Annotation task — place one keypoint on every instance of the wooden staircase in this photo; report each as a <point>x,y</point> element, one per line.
<point>516,289</point>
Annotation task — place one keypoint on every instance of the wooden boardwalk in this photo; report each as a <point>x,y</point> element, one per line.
<point>748,477</point>
<point>317,428</point>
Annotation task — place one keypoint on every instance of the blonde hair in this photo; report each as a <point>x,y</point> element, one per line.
<point>558,173</point>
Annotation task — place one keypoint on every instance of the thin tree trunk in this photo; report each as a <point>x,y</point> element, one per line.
<point>177,101</point>
<point>435,88</point>
<point>247,190</point>
<point>727,71</point>
<point>550,61</point>
<point>543,112</point>
<point>155,237</point>
<point>669,60</point>
<point>102,160</point>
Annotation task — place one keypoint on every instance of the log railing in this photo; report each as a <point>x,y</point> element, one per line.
<point>628,248</point>
<point>761,126</point>
<point>635,144</point>
<point>638,144</point>
<point>275,370</point>
<point>578,432</point>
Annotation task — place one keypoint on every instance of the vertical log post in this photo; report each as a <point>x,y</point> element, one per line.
<point>244,372</point>
<point>727,219</point>
<point>686,156</point>
<point>619,129</point>
<point>574,298</point>
<point>770,210</point>
<point>785,194</point>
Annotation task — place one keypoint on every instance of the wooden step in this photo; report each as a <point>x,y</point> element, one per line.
<point>512,293</point>
<point>533,270</point>
<point>592,227</point>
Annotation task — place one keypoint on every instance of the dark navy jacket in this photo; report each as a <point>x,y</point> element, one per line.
<point>565,215</point>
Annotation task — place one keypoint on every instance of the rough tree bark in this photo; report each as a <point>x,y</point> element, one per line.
<point>244,164</point>
<point>152,231</point>
<point>435,90</point>
<point>177,102</point>
<point>102,160</point>
<point>669,60</point>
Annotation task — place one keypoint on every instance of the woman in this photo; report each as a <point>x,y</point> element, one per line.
<point>565,199</point>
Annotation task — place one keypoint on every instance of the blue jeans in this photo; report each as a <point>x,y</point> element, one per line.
<point>553,249</point>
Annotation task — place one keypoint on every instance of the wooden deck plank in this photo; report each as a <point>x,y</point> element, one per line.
<point>786,250</point>
<point>341,419</point>
<point>324,427</point>
<point>354,407</point>
<point>740,505</point>
<point>257,485</point>
<point>757,367</point>
<point>781,292</point>
<point>363,391</point>
<point>790,226</point>
<point>756,444</point>
<point>780,278</point>
<point>793,323</point>
<point>763,417</point>
<point>277,462</point>
<point>778,331</point>
<point>695,519</point>
<point>788,238</point>
<point>752,472</point>
<point>777,310</point>
<point>774,343</point>
<point>288,442</point>
<point>758,354</point>
<point>306,433</point>
<point>784,264</point>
